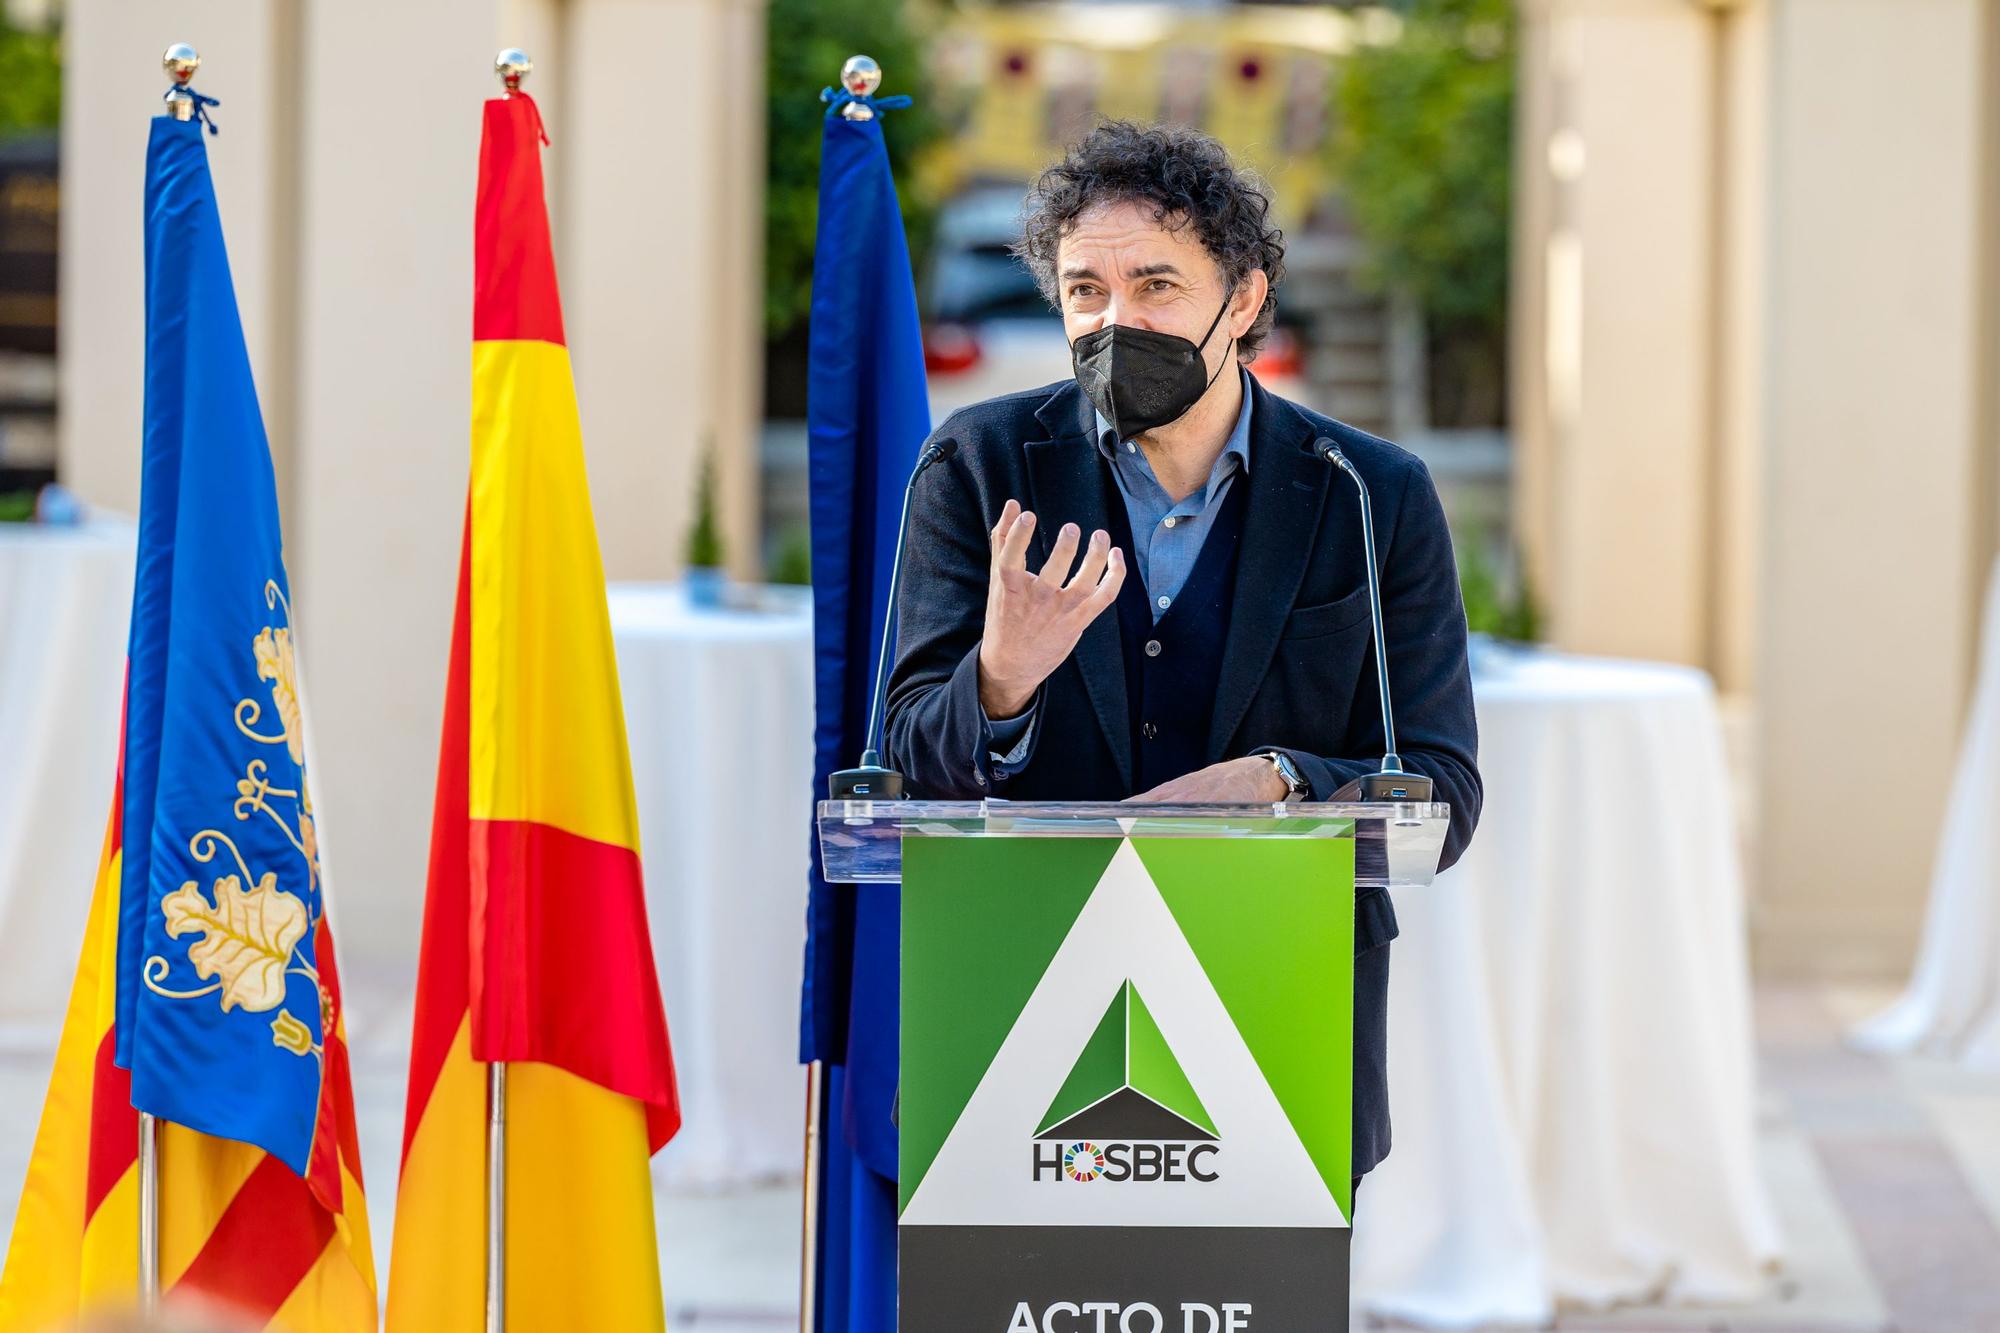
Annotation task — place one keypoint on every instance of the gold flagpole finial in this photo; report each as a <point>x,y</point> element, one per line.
<point>180,62</point>
<point>512,66</point>
<point>860,76</point>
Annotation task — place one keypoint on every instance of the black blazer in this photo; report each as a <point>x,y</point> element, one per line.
<point>1298,666</point>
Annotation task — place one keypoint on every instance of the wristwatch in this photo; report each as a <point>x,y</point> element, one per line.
<point>1297,786</point>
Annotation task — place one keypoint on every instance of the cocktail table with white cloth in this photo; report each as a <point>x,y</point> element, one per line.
<point>1570,1041</point>
<point>718,710</point>
<point>65,609</point>
<point>1951,1007</point>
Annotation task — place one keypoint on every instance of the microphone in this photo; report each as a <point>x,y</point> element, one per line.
<point>1390,782</point>
<point>870,781</point>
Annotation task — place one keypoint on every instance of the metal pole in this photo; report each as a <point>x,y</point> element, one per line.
<point>1392,761</point>
<point>149,1215</point>
<point>809,1269</point>
<point>496,1197</point>
<point>511,66</point>
<point>180,61</point>
<point>861,76</point>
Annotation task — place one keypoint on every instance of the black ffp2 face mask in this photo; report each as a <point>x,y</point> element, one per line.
<point>1140,380</point>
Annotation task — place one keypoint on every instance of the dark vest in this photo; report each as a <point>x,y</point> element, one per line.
<point>1172,665</point>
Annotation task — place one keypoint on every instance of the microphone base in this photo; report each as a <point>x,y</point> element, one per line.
<point>1387,788</point>
<point>868,783</point>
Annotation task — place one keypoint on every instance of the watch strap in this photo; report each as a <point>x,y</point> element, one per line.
<point>1288,772</point>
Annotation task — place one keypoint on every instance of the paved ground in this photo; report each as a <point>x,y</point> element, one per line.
<point>1886,1173</point>
<point>1887,1179</point>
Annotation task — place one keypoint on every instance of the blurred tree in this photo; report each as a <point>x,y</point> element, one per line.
<point>1423,151</point>
<point>808,42</point>
<point>704,543</point>
<point>1494,604</point>
<point>793,561</point>
<point>31,107</point>
<point>30,79</point>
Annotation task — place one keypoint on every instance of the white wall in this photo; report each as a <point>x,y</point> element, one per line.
<point>1875,545</point>
<point>653,170</point>
<point>385,276</point>
<point>347,167</point>
<point>112,84</point>
<point>1755,415</point>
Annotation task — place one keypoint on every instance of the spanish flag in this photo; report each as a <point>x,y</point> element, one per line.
<point>206,994</point>
<point>535,947</point>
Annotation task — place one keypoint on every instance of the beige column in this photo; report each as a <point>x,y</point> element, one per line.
<point>1755,307</point>
<point>112,83</point>
<point>389,147</point>
<point>655,291</point>
<point>1740,36</point>
<point>1874,537</point>
<point>1615,320</point>
<point>659,230</point>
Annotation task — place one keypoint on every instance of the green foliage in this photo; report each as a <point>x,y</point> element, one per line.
<point>1423,152</point>
<point>793,562</point>
<point>808,42</point>
<point>30,79</point>
<point>17,506</point>
<point>704,544</point>
<point>1491,606</point>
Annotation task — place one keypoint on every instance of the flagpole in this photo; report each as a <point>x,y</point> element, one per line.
<point>180,61</point>
<point>859,74</point>
<point>149,1215</point>
<point>809,1270</point>
<point>496,1197</point>
<point>511,66</point>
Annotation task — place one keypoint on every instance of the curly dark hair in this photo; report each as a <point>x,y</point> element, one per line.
<point>1187,178</point>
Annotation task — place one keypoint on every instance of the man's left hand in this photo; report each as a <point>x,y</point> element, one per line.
<point>1251,780</point>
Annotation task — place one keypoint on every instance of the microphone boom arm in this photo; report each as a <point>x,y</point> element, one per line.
<point>871,780</point>
<point>1391,761</point>
<point>871,757</point>
<point>1392,782</point>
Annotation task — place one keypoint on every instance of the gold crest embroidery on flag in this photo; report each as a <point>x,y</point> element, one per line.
<point>249,938</point>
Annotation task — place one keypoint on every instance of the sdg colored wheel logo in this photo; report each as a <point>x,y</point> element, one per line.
<point>1083,1161</point>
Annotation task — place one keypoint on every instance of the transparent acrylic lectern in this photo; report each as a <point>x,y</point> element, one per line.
<point>1126,1054</point>
<point>1395,846</point>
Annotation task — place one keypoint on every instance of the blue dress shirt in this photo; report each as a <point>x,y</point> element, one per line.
<point>1166,538</point>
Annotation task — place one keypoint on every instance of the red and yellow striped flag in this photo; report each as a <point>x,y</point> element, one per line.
<point>535,947</point>
<point>238,1229</point>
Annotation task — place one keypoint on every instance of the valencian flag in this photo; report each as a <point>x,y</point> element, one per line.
<point>868,413</point>
<point>535,947</point>
<point>206,994</point>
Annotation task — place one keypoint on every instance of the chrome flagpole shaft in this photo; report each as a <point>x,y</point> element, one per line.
<point>511,66</point>
<point>149,1215</point>
<point>809,1268</point>
<point>180,61</point>
<point>496,1197</point>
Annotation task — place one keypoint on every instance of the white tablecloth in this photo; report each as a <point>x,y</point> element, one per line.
<point>718,706</point>
<point>1952,1006</point>
<point>65,607</point>
<point>1570,1042</point>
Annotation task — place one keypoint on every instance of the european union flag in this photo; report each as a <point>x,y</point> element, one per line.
<point>868,413</point>
<point>222,1016</point>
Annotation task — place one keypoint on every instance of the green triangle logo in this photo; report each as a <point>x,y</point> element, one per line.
<point>1126,1085</point>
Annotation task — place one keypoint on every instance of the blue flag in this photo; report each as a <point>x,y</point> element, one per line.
<point>868,413</point>
<point>222,1010</point>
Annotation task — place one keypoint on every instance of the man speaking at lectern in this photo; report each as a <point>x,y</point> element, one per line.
<point>1147,582</point>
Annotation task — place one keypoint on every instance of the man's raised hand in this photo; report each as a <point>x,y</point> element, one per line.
<point>1034,619</point>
